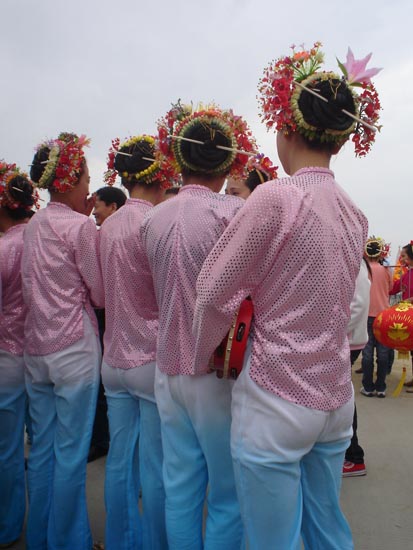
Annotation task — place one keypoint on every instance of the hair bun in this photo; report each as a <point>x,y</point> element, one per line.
<point>376,247</point>
<point>322,115</point>
<point>206,158</point>
<point>20,189</point>
<point>39,163</point>
<point>136,151</point>
<point>59,163</point>
<point>17,195</point>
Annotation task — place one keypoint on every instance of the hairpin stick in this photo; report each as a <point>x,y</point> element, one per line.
<point>42,162</point>
<point>357,119</point>
<point>309,90</point>
<point>188,139</point>
<point>354,117</point>
<point>21,191</point>
<point>238,151</point>
<point>223,147</point>
<point>129,155</point>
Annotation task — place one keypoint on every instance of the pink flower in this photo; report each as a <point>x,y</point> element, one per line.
<point>356,70</point>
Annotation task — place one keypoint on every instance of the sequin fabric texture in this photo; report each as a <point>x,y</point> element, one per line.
<point>296,249</point>
<point>61,277</point>
<point>13,310</point>
<point>130,303</point>
<point>177,236</point>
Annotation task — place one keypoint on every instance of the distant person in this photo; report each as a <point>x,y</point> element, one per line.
<point>258,170</point>
<point>295,248</point>
<point>404,284</point>
<point>358,337</point>
<point>17,199</point>
<point>128,367</point>
<point>379,300</point>
<point>62,283</point>
<point>194,405</point>
<point>107,200</point>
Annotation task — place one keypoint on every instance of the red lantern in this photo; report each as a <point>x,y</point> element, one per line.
<point>393,327</point>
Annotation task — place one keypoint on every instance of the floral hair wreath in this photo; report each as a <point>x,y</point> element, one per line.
<point>161,169</point>
<point>286,78</point>
<point>8,173</point>
<point>64,163</point>
<point>383,248</point>
<point>262,164</point>
<point>180,117</point>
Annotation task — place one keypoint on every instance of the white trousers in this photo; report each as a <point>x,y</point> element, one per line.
<point>288,463</point>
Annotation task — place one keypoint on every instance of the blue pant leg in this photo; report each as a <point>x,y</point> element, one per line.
<point>271,502</point>
<point>324,524</point>
<point>123,523</point>
<point>368,357</point>
<point>76,382</point>
<point>12,474</point>
<point>41,462</point>
<point>153,491</point>
<point>224,529</point>
<point>184,470</point>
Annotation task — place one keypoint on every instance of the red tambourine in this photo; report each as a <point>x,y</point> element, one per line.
<point>228,358</point>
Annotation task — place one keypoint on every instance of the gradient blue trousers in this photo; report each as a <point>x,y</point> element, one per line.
<point>135,460</point>
<point>12,475</point>
<point>62,389</point>
<point>288,462</point>
<point>195,423</point>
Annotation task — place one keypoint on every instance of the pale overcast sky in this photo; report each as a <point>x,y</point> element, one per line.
<point>111,69</point>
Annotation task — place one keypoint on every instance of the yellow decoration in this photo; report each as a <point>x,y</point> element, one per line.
<point>398,331</point>
<point>403,306</point>
<point>400,385</point>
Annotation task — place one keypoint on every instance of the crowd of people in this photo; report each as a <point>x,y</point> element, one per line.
<point>123,321</point>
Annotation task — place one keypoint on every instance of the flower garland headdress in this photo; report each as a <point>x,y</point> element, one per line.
<point>64,162</point>
<point>376,247</point>
<point>262,164</point>
<point>159,167</point>
<point>9,190</point>
<point>288,77</point>
<point>175,126</point>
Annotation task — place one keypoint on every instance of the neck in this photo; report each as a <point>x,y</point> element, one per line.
<point>151,194</point>
<point>215,184</point>
<point>63,198</point>
<point>309,158</point>
<point>6,222</point>
<point>300,155</point>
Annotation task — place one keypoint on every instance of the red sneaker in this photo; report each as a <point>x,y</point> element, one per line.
<point>351,470</point>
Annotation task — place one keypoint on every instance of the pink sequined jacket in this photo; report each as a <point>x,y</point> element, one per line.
<point>130,304</point>
<point>61,278</point>
<point>177,236</point>
<point>296,249</point>
<point>13,310</point>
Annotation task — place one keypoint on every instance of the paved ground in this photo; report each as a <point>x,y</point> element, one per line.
<point>378,506</point>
